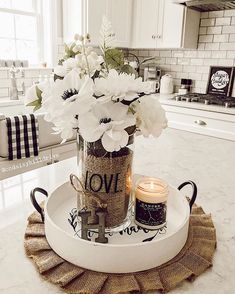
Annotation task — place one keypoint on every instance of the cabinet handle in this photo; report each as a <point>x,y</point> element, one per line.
<point>153,37</point>
<point>49,163</point>
<point>159,36</point>
<point>56,160</point>
<point>200,122</point>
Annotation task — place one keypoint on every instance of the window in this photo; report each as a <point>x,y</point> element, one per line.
<point>20,30</point>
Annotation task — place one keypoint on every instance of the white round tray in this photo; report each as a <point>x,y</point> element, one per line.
<point>128,251</point>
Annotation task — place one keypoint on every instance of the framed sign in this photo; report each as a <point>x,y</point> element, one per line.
<point>220,80</point>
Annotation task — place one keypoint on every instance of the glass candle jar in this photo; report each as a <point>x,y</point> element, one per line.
<point>151,203</point>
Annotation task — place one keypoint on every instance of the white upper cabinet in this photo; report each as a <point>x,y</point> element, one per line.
<point>94,13</point>
<point>119,12</point>
<point>136,23</point>
<point>144,31</point>
<point>73,19</point>
<point>163,24</point>
<point>85,16</point>
<point>170,25</point>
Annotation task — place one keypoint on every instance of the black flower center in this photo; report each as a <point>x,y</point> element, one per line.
<point>69,93</point>
<point>105,120</point>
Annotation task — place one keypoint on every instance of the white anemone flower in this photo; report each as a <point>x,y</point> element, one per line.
<point>65,126</point>
<point>68,65</point>
<point>60,70</point>
<point>107,121</point>
<point>86,63</point>
<point>120,86</point>
<point>150,116</point>
<point>68,98</point>
<point>89,62</point>
<point>31,93</point>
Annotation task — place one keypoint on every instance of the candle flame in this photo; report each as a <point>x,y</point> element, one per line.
<point>151,185</point>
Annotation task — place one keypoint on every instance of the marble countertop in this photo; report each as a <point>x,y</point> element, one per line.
<point>176,156</point>
<point>167,99</point>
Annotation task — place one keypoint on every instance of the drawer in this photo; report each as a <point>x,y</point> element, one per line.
<point>202,125</point>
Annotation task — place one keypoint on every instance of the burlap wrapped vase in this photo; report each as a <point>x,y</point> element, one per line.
<point>106,176</point>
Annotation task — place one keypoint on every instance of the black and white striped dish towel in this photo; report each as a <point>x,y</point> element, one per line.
<point>22,133</point>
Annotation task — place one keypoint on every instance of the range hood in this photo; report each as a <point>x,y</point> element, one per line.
<point>207,5</point>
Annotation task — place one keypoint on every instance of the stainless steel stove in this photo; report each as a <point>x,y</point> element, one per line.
<point>207,99</point>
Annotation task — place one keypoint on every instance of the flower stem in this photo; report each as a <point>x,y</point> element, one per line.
<point>103,50</point>
<point>84,52</point>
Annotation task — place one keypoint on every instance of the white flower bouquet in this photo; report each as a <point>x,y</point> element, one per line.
<point>98,95</point>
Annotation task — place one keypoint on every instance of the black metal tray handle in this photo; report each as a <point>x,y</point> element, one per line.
<point>34,201</point>
<point>194,194</point>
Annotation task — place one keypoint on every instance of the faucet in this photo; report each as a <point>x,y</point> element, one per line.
<point>14,92</point>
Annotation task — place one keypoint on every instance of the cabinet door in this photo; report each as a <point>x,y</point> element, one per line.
<point>95,10</point>
<point>170,24</point>
<point>73,19</point>
<point>120,16</point>
<point>145,23</point>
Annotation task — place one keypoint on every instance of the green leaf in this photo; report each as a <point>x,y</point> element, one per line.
<point>114,58</point>
<point>60,62</point>
<point>39,93</point>
<point>34,103</point>
<point>69,51</point>
<point>66,48</point>
<point>37,107</point>
<point>72,45</point>
<point>56,77</point>
<point>128,69</point>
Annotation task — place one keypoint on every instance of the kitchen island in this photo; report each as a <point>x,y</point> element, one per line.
<point>176,156</point>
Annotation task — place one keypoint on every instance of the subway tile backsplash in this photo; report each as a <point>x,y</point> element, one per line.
<point>216,46</point>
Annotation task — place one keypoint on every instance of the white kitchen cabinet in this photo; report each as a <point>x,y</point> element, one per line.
<point>163,24</point>
<point>85,16</point>
<point>119,12</point>
<point>145,23</point>
<point>73,19</point>
<point>170,25</point>
<point>94,11</point>
<point>210,123</point>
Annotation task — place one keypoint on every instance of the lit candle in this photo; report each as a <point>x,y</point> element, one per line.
<point>151,203</point>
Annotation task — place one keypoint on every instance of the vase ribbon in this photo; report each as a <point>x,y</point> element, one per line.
<point>78,187</point>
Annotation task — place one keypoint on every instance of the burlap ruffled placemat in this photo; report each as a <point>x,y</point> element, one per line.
<point>193,260</point>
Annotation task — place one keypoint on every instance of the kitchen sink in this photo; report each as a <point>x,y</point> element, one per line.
<point>10,107</point>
